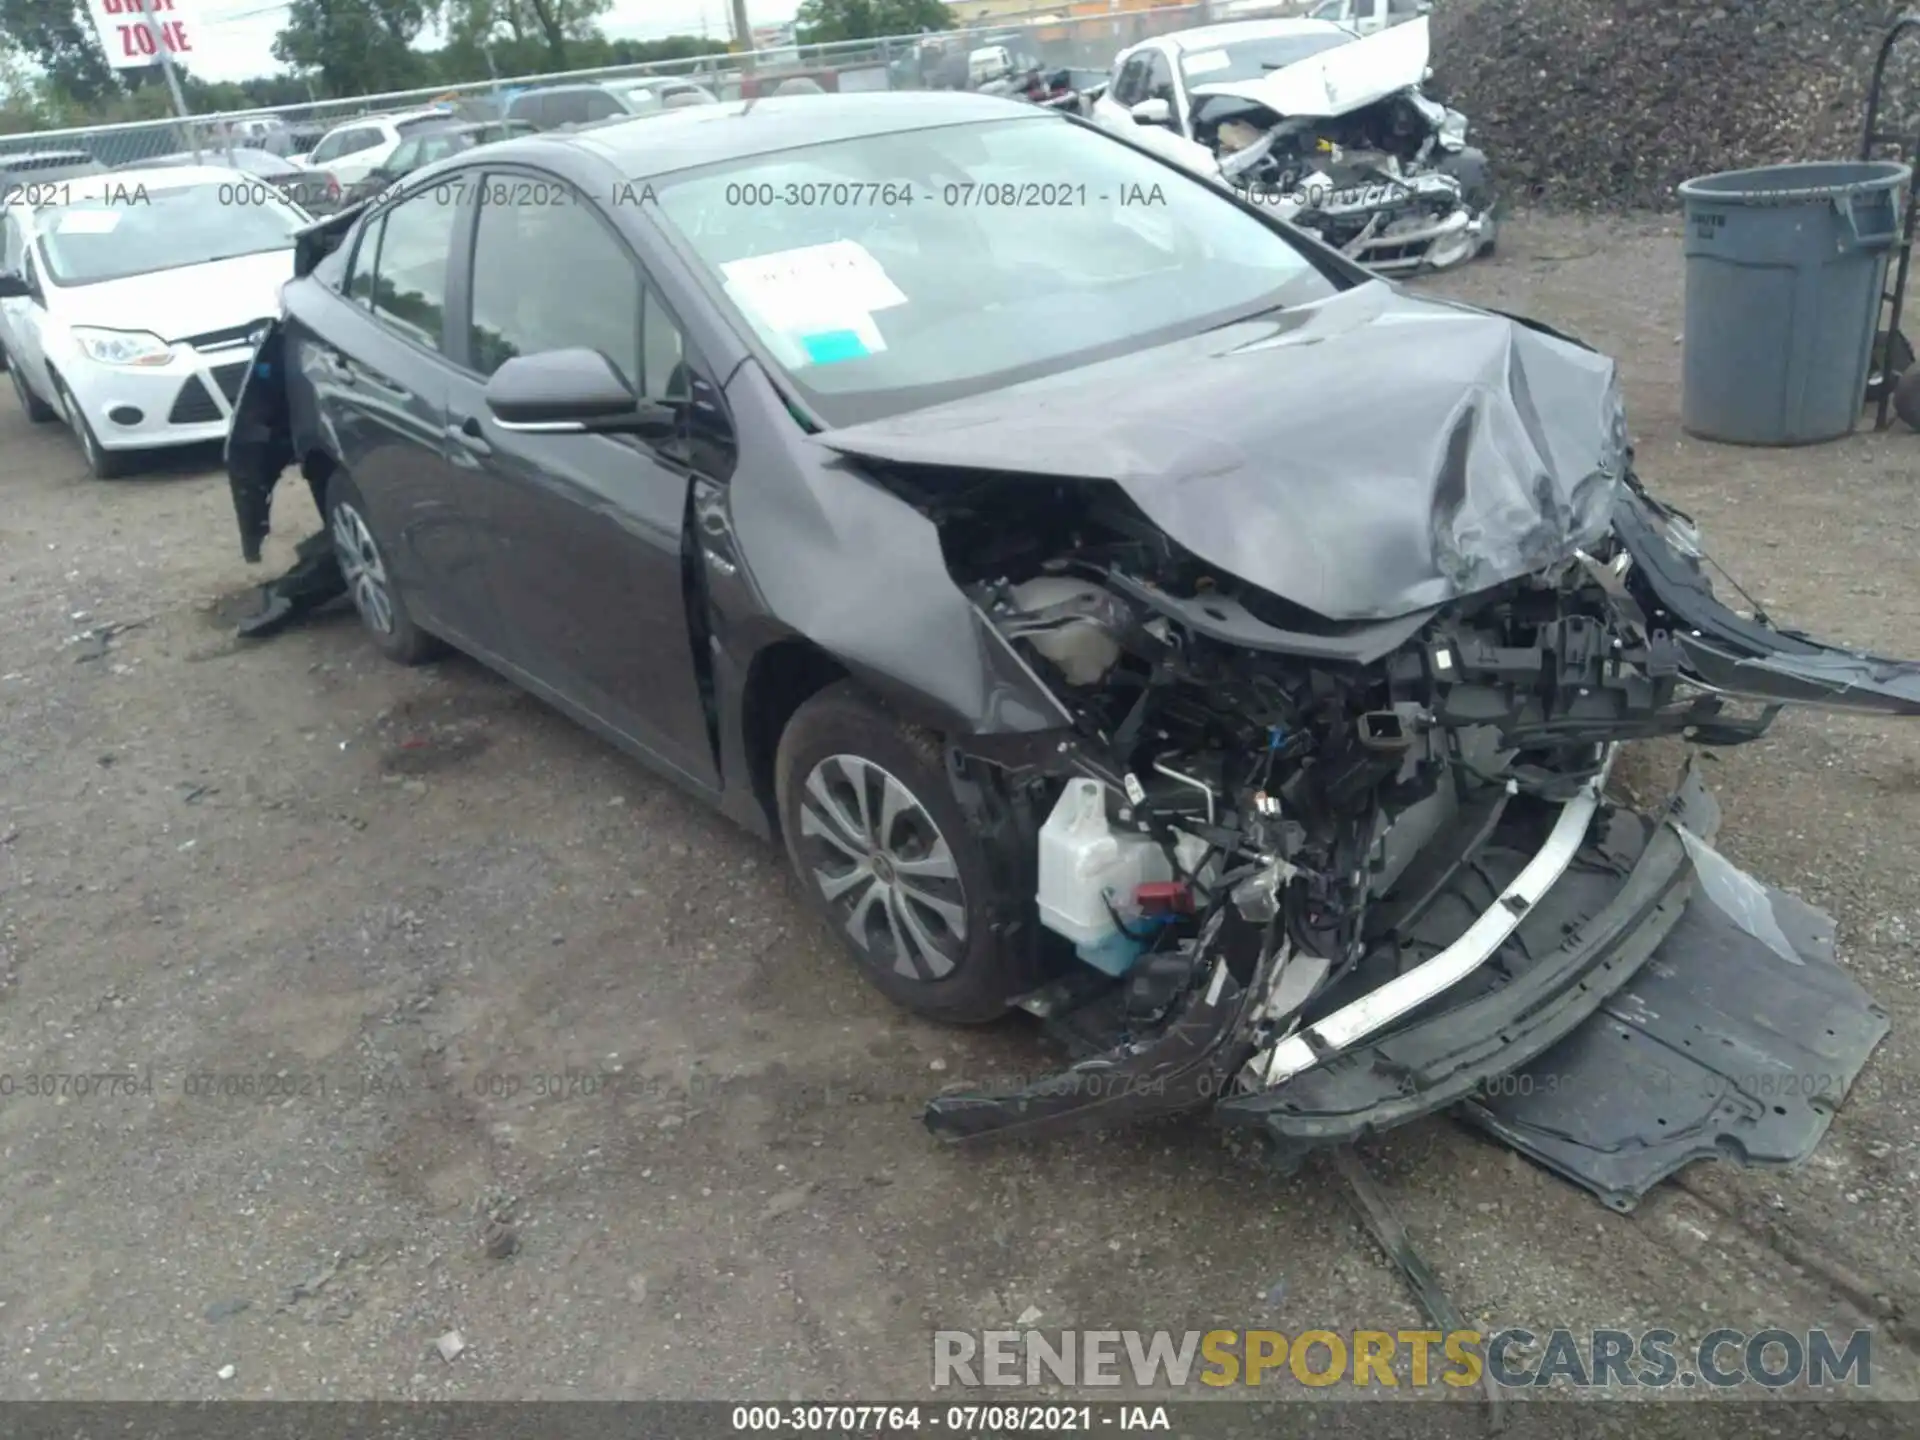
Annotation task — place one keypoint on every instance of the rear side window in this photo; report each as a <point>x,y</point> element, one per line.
<point>600,104</point>
<point>347,142</point>
<point>400,269</point>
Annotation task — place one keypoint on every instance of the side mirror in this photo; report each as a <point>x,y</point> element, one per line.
<point>13,286</point>
<point>573,392</point>
<point>1152,112</point>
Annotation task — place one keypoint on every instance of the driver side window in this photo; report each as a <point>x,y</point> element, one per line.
<point>585,293</point>
<point>1159,78</point>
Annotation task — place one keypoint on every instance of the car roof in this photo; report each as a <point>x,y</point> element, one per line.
<point>184,158</point>
<point>390,117</point>
<point>114,182</point>
<point>643,146</point>
<point>572,87</point>
<point>1232,32</point>
<point>25,158</point>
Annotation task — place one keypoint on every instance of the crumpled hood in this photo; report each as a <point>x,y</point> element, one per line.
<point>1364,456</point>
<point>1341,80</point>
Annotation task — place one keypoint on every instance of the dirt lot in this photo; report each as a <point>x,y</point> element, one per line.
<point>414,896</point>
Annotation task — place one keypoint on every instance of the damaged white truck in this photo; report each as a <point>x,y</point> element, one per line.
<point>1330,130</point>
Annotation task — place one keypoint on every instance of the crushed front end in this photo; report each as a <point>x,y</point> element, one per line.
<point>1393,186</point>
<point>1322,878</point>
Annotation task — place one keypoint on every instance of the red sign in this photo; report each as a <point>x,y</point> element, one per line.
<point>133,32</point>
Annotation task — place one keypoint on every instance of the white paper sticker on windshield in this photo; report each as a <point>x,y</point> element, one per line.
<point>841,276</point>
<point>87,222</point>
<point>1205,63</point>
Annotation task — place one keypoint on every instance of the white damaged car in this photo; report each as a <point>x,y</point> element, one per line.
<point>132,301</point>
<point>1330,129</point>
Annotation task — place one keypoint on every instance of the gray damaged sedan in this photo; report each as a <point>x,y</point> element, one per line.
<point>1122,607</point>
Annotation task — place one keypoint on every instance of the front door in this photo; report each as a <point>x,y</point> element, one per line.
<point>588,549</point>
<point>26,345</point>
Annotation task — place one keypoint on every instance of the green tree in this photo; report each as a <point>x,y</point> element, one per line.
<point>524,35</point>
<point>357,47</point>
<point>820,22</point>
<point>57,36</point>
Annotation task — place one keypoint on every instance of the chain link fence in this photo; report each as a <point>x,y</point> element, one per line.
<point>1067,39</point>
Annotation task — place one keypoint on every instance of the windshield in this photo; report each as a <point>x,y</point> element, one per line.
<point>139,229</point>
<point>896,271</point>
<point>1251,59</point>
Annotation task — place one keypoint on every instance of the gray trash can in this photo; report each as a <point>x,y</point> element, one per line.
<point>1785,270</point>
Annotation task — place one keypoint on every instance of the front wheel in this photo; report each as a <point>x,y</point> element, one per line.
<point>102,463</point>
<point>911,884</point>
<point>363,566</point>
<point>37,410</point>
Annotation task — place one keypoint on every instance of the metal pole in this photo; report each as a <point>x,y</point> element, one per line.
<point>744,32</point>
<point>173,81</point>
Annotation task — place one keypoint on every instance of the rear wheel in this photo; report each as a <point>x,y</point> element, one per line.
<point>895,865</point>
<point>363,565</point>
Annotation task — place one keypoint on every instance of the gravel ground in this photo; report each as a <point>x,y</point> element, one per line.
<point>1615,102</point>
<point>408,896</point>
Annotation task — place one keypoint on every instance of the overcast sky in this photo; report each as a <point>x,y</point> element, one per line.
<point>233,39</point>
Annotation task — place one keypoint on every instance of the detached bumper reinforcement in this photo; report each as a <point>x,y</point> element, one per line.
<point>1408,992</point>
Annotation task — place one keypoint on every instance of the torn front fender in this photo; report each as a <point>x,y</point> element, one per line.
<point>1734,655</point>
<point>260,441</point>
<point>837,558</point>
<point>1185,1065</point>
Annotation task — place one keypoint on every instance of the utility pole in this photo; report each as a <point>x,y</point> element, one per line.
<point>173,80</point>
<point>743,35</point>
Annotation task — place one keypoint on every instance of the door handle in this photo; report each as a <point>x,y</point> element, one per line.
<point>467,434</point>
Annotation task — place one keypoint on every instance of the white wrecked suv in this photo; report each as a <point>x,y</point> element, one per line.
<point>1331,131</point>
<point>1225,660</point>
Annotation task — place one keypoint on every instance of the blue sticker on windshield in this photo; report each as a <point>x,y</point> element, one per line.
<point>834,345</point>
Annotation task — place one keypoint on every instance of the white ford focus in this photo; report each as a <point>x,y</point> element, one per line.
<point>129,302</point>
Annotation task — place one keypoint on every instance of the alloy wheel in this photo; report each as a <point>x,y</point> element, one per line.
<point>883,866</point>
<point>363,569</point>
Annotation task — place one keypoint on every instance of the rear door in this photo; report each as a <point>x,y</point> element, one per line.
<point>384,373</point>
<point>13,247</point>
<point>590,528</point>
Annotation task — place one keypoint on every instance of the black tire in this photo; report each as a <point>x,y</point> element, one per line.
<point>37,410</point>
<point>1906,399</point>
<point>988,959</point>
<point>363,565</point>
<point>1892,360</point>
<point>102,463</point>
